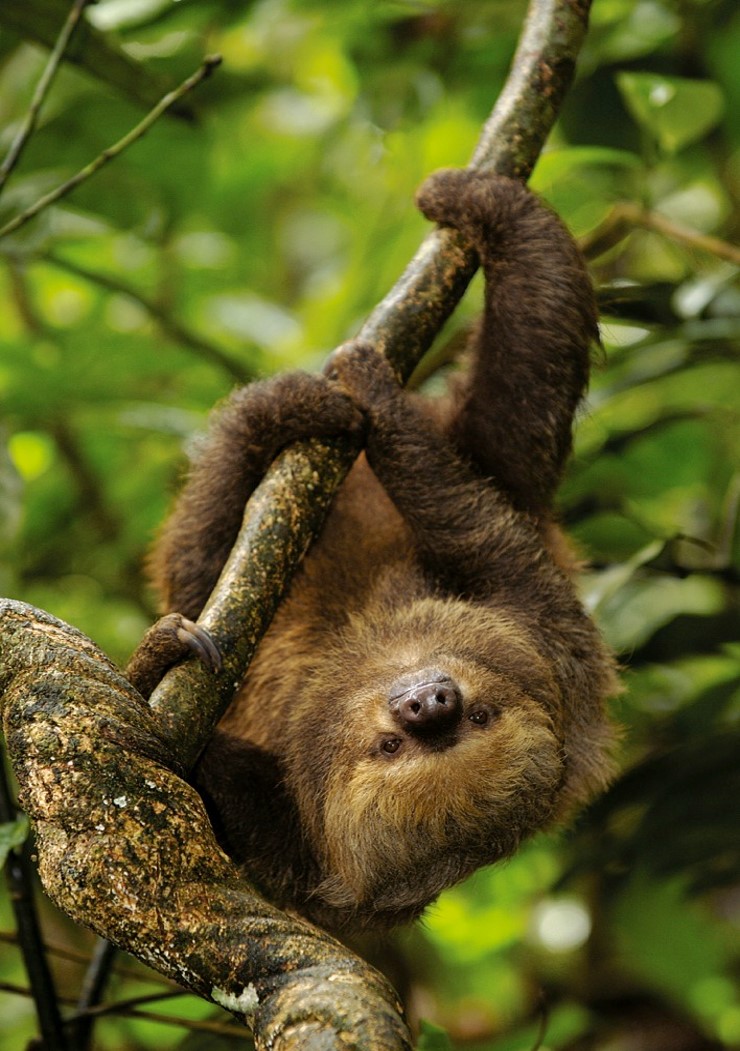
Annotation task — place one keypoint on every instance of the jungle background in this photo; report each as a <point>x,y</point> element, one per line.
<point>252,230</point>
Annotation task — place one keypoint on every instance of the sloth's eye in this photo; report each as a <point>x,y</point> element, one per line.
<point>391,745</point>
<point>479,717</point>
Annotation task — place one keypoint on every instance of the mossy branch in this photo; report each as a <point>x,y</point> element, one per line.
<point>124,845</point>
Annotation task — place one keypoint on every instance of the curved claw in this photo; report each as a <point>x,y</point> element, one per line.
<point>166,642</point>
<point>199,641</point>
<point>363,372</point>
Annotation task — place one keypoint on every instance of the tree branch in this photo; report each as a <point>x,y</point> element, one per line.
<point>42,90</point>
<point>124,845</point>
<point>624,217</point>
<point>165,103</point>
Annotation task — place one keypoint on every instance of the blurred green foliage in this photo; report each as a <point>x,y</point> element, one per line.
<point>252,231</point>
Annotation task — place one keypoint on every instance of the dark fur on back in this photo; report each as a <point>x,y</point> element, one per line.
<point>431,690</point>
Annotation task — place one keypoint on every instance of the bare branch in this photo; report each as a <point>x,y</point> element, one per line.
<point>125,847</point>
<point>624,217</point>
<point>405,323</point>
<point>42,89</point>
<point>165,103</point>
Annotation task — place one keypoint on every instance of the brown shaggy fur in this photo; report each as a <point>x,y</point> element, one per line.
<point>431,691</point>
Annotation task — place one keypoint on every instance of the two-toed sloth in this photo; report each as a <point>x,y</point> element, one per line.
<point>431,690</point>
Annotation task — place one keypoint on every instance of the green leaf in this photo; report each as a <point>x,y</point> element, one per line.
<point>433,1038</point>
<point>633,29</point>
<point>672,943</point>
<point>600,588</point>
<point>12,835</point>
<point>557,163</point>
<point>646,603</point>
<point>674,110</point>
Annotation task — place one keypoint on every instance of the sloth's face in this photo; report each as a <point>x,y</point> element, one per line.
<point>406,821</point>
<point>433,763</point>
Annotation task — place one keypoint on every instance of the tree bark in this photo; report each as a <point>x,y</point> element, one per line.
<point>124,845</point>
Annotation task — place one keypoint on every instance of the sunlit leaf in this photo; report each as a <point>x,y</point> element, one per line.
<point>556,163</point>
<point>676,111</point>
<point>642,605</point>
<point>13,834</point>
<point>634,28</point>
<point>600,588</point>
<point>432,1037</point>
<point>665,939</point>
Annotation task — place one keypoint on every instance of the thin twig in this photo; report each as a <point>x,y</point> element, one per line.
<point>91,993</point>
<point>89,488</point>
<point>191,1024</point>
<point>23,300</point>
<point>19,878</point>
<point>42,89</point>
<point>625,216</point>
<point>124,1010</point>
<point>173,328</point>
<point>209,64</point>
<point>131,1003</point>
<point>83,959</point>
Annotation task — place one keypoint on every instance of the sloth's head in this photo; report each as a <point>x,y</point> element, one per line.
<point>435,752</point>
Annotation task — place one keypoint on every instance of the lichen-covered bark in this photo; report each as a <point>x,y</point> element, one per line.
<point>283,515</point>
<point>124,845</point>
<point>541,73</point>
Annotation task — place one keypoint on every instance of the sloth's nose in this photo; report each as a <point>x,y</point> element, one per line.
<point>427,707</point>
